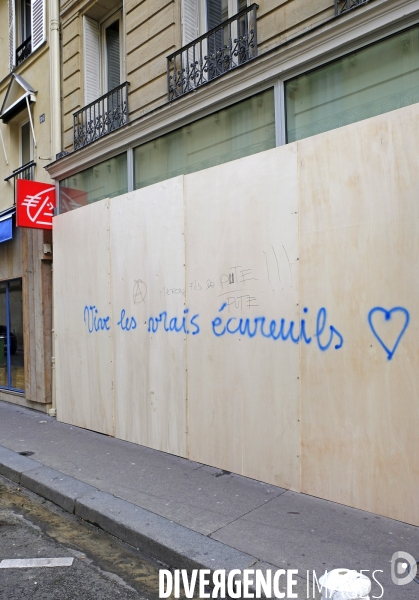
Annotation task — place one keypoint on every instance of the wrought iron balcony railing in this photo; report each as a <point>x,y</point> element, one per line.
<point>230,44</point>
<point>24,50</point>
<point>104,115</point>
<point>342,6</point>
<point>24,172</point>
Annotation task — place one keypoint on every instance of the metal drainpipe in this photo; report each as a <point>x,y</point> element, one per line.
<point>54,49</point>
<point>55,74</point>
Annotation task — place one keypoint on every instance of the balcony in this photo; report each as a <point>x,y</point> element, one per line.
<point>24,172</point>
<point>223,48</point>
<point>104,115</point>
<point>342,6</point>
<point>24,50</point>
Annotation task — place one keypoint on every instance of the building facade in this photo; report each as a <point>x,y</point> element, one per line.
<point>152,72</point>
<point>29,92</point>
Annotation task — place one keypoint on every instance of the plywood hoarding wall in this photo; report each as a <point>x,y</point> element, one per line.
<point>261,316</point>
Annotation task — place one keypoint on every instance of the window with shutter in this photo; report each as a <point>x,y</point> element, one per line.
<point>38,23</point>
<point>91,57</point>
<point>102,54</point>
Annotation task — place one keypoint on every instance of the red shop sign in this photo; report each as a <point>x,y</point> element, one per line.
<point>35,204</point>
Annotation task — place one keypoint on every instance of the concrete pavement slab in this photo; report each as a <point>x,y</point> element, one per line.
<point>191,494</point>
<point>169,542</point>
<point>205,499</point>
<point>55,486</point>
<point>281,528</point>
<point>307,533</point>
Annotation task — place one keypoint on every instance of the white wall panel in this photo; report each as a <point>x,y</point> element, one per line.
<point>359,252</point>
<point>323,234</point>
<point>82,303</point>
<point>242,250</point>
<point>148,279</point>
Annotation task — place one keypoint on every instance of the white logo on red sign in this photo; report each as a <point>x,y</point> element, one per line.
<point>40,207</point>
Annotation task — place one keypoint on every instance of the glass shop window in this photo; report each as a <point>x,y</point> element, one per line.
<point>361,85</point>
<point>12,371</point>
<point>105,180</point>
<point>234,132</point>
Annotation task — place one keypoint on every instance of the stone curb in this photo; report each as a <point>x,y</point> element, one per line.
<point>173,544</point>
<point>161,539</point>
<point>12,464</point>
<point>55,486</point>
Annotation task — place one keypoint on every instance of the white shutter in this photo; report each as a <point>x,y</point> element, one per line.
<point>91,59</point>
<point>38,23</point>
<point>12,43</point>
<point>189,21</point>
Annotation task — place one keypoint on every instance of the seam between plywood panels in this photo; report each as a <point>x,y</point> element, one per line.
<point>300,416</point>
<point>185,304</point>
<point>110,301</point>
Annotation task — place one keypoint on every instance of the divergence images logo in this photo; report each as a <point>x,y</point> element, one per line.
<point>35,204</point>
<point>404,568</point>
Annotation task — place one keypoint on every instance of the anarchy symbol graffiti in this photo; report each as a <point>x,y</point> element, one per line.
<point>139,292</point>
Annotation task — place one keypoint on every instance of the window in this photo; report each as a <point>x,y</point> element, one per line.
<point>239,130</point>
<point>102,56</point>
<point>26,29</point>
<point>198,16</point>
<point>234,132</point>
<point>218,36</point>
<point>25,21</point>
<point>366,83</point>
<point>105,180</point>
<point>12,373</point>
<point>26,146</point>
<point>105,96</point>
<point>218,11</point>
<point>111,40</point>
<point>26,150</point>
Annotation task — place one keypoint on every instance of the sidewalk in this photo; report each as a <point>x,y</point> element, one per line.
<point>188,515</point>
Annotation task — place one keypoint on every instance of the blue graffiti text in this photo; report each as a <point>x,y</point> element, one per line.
<point>186,324</point>
<point>280,329</point>
<point>126,323</point>
<point>93,321</point>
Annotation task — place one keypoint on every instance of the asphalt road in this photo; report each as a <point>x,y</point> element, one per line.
<point>103,568</point>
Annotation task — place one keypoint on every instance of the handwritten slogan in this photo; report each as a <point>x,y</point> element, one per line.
<point>237,291</point>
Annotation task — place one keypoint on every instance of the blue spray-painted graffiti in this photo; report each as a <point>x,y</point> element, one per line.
<point>126,323</point>
<point>324,335</point>
<point>279,330</point>
<point>93,321</point>
<point>173,325</point>
<point>387,317</point>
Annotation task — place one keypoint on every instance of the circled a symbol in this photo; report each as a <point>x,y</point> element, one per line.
<point>139,292</point>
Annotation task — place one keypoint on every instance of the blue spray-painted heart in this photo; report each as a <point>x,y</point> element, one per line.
<point>387,317</point>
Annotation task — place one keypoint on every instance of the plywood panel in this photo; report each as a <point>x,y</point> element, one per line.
<point>321,234</point>
<point>359,252</point>
<point>148,280</point>
<point>242,251</point>
<point>83,344</point>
